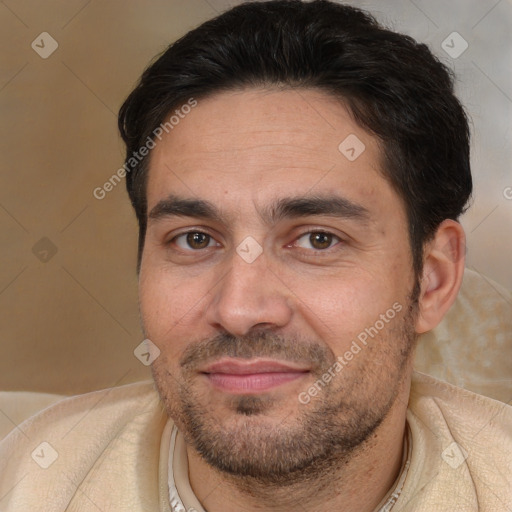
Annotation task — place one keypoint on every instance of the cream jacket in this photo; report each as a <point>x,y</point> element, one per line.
<point>109,451</point>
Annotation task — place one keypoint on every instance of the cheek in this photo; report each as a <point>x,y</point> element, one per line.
<point>168,305</point>
<point>340,309</point>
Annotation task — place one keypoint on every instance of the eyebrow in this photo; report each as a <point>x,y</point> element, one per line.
<point>174,206</point>
<point>284,208</point>
<point>334,205</point>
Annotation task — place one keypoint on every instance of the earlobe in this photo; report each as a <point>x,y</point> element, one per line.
<point>443,269</point>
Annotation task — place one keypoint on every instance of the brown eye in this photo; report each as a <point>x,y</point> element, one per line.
<point>317,240</point>
<point>198,240</point>
<point>320,240</point>
<point>194,240</point>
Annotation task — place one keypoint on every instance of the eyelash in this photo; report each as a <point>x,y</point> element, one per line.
<point>192,232</point>
<point>335,239</point>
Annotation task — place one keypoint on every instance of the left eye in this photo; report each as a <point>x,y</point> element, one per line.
<point>195,240</point>
<point>318,240</point>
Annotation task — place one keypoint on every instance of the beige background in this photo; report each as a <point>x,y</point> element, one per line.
<point>68,295</point>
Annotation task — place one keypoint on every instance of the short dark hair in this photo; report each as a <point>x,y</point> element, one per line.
<point>394,87</point>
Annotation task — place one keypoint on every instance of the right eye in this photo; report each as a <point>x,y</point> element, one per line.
<point>194,241</point>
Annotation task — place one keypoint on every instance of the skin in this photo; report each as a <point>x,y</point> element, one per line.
<point>302,301</point>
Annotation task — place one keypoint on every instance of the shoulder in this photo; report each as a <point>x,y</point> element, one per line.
<point>458,406</point>
<point>84,435</point>
<point>43,410</point>
<point>462,447</point>
<point>17,406</point>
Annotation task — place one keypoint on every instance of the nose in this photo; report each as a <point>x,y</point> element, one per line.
<point>249,296</point>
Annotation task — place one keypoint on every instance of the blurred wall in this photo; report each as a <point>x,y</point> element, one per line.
<point>68,296</point>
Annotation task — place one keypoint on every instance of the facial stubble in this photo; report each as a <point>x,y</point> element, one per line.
<point>254,446</point>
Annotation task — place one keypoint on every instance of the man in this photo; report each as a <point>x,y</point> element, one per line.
<point>297,172</point>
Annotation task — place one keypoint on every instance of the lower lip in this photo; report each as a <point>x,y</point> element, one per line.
<point>253,382</point>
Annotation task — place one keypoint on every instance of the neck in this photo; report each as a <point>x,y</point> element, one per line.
<point>358,484</point>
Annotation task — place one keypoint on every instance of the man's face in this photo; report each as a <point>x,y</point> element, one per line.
<point>273,260</point>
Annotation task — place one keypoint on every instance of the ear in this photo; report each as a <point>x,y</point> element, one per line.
<point>443,269</point>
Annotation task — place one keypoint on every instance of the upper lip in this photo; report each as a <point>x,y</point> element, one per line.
<point>251,366</point>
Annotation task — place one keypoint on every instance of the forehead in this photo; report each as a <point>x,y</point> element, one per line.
<point>257,145</point>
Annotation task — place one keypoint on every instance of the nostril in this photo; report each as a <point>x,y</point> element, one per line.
<point>263,326</point>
